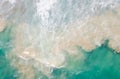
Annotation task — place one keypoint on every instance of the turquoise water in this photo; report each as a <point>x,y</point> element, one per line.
<point>100,63</point>
<point>6,70</point>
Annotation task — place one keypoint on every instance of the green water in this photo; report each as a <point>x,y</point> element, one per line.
<point>6,70</point>
<point>100,63</point>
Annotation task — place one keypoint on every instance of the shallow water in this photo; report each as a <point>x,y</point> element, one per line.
<point>59,39</point>
<point>6,70</point>
<point>100,63</point>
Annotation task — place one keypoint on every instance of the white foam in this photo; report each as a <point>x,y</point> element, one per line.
<point>12,1</point>
<point>43,6</point>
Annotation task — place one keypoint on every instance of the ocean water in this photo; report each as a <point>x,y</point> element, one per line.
<point>59,39</point>
<point>6,70</point>
<point>100,63</point>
